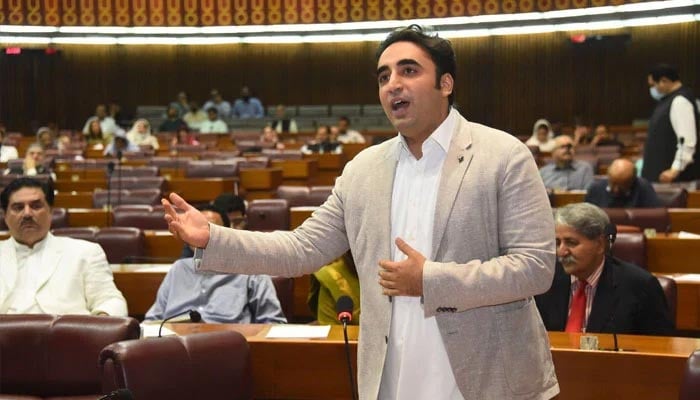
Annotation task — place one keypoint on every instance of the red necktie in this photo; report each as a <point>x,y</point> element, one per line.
<point>577,314</point>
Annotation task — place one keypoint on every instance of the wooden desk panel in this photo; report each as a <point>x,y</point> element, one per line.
<point>667,254</point>
<point>352,149</point>
<point>260,178</point>
<point>73,200</point>
<point>688,301</point>
<point>80,185</point>
<point>201,190</point>
<point>327,161</point>
<point>694,199</point>
<point>685,219</point>
<point>89,217</point>
<point>563,198</point>
<point>297,215</point>
<point>138,286</point>
<point>163,246</point>
<point>315,369</point>
<point>296,169</point>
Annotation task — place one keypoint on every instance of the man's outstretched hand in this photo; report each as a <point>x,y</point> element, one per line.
<point>190,225</point>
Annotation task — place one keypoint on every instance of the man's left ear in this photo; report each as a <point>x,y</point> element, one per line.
<point>446,84</point>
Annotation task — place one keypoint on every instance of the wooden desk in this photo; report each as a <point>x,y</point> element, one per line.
<point>685,219</point>
<point>89,217</point>
<point>297,215</point>
<point>73,199</point>
<point>694,199</point>
<point>688,301</point>
<point>667,254</point>
<point>315,369</point>
<point>139,284</point>
<point>201,190</point>
<point>80,185</point>
<point>301,172</point>
<point>573,196</point>
<point>329,167</point>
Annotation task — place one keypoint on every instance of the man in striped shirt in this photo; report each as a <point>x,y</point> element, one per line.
<point>593,291</point>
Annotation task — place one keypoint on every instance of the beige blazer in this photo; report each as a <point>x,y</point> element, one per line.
<point>75,278</point>
<point>493,250</point>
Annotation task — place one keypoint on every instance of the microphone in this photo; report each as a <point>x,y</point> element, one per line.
<point>119,394</point>
<point>119,177</point>
<point>343,308</point>
<point>195,316</point>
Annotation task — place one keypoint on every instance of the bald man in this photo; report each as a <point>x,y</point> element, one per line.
<point>565,173</point>
<point>622,188</point>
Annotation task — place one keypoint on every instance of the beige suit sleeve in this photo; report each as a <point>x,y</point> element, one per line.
<point>524,266</point>
<point>101,293</point>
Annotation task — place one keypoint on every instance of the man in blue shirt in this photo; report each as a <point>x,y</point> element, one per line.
<point>247,106</point>
<point>242,299</point>
<point>565,173</point>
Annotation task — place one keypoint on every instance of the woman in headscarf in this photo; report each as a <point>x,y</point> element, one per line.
<point>140,134</point>
<point>542,136</point>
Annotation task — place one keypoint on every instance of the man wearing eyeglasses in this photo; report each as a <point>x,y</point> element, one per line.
<point>565,173</point>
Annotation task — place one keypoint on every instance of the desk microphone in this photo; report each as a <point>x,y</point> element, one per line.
<point>195,316</point>
<point>343,308</point>
<point>119,394</point>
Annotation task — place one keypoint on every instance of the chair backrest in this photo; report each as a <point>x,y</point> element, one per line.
<point>296,196</point>
<point>672,197</point>
<point>59,217</point>
<point>275,154</point>
<point>170,162</point>
<point>656,218</point>
<point>268,215</point>
<point>671,293</point>
<point>285,294</point>
<point>47,355</point>
<point>211,169</point>
<point>631,247</point>
<point>128,171</point>
<point>690,385</point>
<point>198,366</point>
<point>121,197</point>
<point>142,182</point>
<point>319,194</point>
<point>140,216</point>
<point>122,244</point>
<point>88,233</point>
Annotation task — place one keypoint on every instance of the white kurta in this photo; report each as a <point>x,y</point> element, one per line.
<point>416,365</point>
<point>23,296</point>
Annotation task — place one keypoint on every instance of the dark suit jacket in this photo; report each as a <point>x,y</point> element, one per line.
<point>628,300</point>
<point>641,195</point>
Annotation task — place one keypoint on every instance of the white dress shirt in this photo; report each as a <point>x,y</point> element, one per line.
<point>23,296</point>
<point>682,115</point>
<point>416,365</point>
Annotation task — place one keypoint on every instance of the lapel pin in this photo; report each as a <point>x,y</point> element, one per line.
<point>460,159</point>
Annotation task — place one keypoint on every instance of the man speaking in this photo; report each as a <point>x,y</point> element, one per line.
<point>451,232</point>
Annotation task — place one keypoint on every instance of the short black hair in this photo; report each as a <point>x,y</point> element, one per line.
<point>344,118</point>
<point>209,207</point>
<point>25,182</point>
<point>439,49</point>
<point>229,202</point>
<point>213,110</point>
<point>664,71</point>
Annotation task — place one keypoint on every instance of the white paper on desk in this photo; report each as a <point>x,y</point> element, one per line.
<point>688,235</point>
<point>151,330</point>
<point>298,331</point>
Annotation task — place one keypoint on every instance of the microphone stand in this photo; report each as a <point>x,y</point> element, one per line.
<point>353,391</point>
<point>119,177</point>
<point>195,316</point>
<point>110,171</point>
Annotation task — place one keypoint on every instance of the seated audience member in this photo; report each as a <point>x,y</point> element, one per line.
<point>247,106</point>
<point>593,291</point>
<point>7,152</point>
<point>95,137</point>
<point>194,117</point>
<point>33,163</point>
<point>565,173</point>
<point>223,107</point>
<point>244,299</point>
<point>183,136</point>
<point>120,143</point>
<point>329,284</point>
<point>46,138</point>
<point>322,143</point>
<point>181,104</point>
<point>347,135</point>
<point>604,138</point>
<point>269,137</point>
<point>234,207</point>
<point>109,125</point>
<point>42,273</point>
<point>282,124</point>
<point>140,134</point>
<point>213,124</point>
<point>542,136</point>
<point>623,188</point>
<point>173,122</point>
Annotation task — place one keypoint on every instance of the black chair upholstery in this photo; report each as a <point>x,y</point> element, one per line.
<point>140,216</point>
<point>122,244</point>
<point>690,385</point>
<point>59,217</point>
<point>209,365</point>
<point>268,215</point>
<point>49,356</point>
<point>296,196</point>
